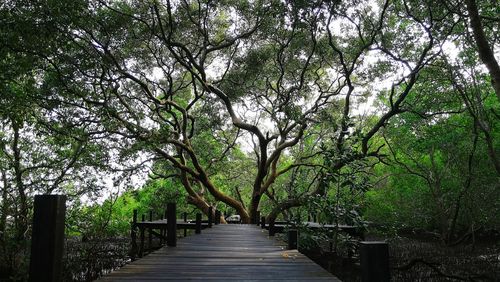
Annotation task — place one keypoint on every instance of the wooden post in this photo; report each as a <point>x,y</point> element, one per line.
<point>185,215</point>
<point>253,218</point>
<point>171,225</point>
<point>271,227</point>
<point>47,243</point>
<point>198,224</point>
<point>150,234</point>
<point>257,218</point>
<point>331,238</point>
<point>374,258</point>
<point>314,218</point>
<point>141,229</point>
<point>133,234</point>
<point>210,217</point>
<point>263,222</point>
<point>164,230</point>
<point>292,239</point>
<point>134,217</point>
<point>217,217</point>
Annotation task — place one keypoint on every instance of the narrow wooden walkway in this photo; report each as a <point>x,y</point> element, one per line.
<point>227,252</point>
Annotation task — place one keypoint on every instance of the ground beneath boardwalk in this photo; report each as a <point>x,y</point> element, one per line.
<point>416,258</point>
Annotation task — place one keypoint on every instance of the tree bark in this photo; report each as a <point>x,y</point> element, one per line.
<point>477,112</point>
<point>483,48</point>
<point>297,202</point>
<point>22,225</point>
<point>245,218</point>
<point>4,208</point>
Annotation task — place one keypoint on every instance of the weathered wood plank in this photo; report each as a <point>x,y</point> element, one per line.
<point>225,252</point>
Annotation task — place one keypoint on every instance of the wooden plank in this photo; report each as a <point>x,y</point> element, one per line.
<point>225,252</point>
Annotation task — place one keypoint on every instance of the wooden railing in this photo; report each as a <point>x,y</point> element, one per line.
<point>374,255</point>
<point>47,242</point>
<point>165,230</point>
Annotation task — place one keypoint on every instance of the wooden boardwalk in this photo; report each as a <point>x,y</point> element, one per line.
<point>227,252</point>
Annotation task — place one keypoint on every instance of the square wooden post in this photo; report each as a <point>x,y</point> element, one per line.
<point>141,232</point>
<point>47,242</point>
<point>217,217</point>
<point>198,224</point>
<point>271,228</point>
<point>263,222</point>
<point>374,258</point>
<point>185,215</point>
<point>257,218</point>
<point>133,234</point>
<point>210,217</point>
<point>293,239</point>
<point>171,225</point>
<point>150,234</point>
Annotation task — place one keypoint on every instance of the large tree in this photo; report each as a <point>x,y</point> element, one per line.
<point>150,74</point>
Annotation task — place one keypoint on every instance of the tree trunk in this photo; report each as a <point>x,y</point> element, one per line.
<point>492,151</point>
<point>198,200</point>
<point>477,112</point>
<point>483,48</point>
<point>254,207</point>
<point>284,206</point>
<point>22,225</point>
<point>245,218</point>
<point>5,205</point>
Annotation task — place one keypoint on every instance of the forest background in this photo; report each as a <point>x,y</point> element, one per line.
<point>378,113</point>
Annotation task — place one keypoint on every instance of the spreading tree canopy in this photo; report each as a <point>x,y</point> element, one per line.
<point>189,89</point>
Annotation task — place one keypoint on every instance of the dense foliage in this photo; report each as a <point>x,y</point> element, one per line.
<point>374,113</point>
